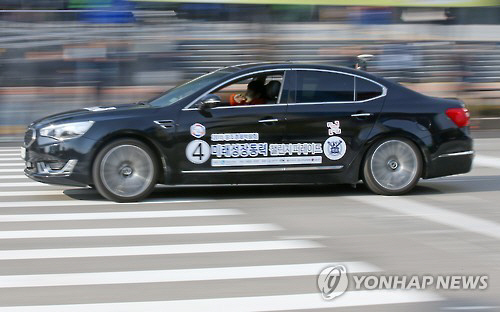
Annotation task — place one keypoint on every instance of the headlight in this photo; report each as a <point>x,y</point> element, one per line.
<point>67,130</point>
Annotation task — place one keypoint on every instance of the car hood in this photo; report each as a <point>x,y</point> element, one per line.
<point>88,113</point>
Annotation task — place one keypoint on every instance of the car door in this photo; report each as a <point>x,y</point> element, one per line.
<point>332,113</point>
<point>229,138</point>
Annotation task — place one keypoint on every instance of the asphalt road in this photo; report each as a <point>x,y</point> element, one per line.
<point>249,248</point>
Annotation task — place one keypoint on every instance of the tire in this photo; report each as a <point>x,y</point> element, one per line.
<point>392,166</point>
<point>125,170</point>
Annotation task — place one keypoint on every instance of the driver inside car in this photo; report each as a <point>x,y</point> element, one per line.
<point>255,94</point>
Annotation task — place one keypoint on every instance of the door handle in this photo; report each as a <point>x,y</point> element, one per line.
<point>361,115</point>
<point>268,120</point>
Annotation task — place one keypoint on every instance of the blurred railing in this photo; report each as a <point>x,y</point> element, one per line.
<point>55,65</point>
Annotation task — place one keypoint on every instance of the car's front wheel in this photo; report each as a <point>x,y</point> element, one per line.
<point>125,170</point>
<point>392,166</point>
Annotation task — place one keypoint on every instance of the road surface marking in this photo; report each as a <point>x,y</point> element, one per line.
<point>155,249</point>
<point>136,231</point>
<point>487,161</point>
<point>424,211</point>
<point>9,164</point>
<point>246,304</point>
<point>15,177</point>
<point>11,150</point>
<point>180,275</point>
<point>19,170</point>
<point>119,215</point>
<point>31,193</point>
<point>30,184</point>
<point>76,202</point>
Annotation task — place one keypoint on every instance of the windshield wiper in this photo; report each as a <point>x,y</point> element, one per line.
<point>143,103</point>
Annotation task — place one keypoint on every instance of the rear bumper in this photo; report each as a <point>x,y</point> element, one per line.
<point>450,163</point>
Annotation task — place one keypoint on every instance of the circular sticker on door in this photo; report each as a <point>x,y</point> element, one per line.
<point>334,148</point>
<point>198,151</point>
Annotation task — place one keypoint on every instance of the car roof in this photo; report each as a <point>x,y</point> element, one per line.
<point>249,67</point>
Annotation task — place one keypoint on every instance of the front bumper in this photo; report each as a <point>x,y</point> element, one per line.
<point>59,162</point>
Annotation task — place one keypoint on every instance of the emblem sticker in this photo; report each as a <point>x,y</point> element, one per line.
<point>198,130</point>
<point>198,151</point>
<point>334,148</point>
<point>334,127</point>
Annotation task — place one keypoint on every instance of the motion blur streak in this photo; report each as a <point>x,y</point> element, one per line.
<point>62,55</point>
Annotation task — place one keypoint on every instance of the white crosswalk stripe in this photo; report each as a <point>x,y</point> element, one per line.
<point>18,170</point>
<point>181,275</point>
<point>14,177</point>
<point>11,164</point>
<point>118,215</point>
<point>59,203</point>
<point>169,230</point>
<point>154,250</point>
<point>9,149</point>
<point>247,304</point>
<point>22,184</point>
<point>30,193</point>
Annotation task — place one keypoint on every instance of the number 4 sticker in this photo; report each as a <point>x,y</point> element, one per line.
<point>198,151</point>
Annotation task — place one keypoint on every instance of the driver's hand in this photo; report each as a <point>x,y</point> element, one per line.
<point>238,98</point>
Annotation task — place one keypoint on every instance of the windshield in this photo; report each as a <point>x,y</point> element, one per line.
<point>187,89</point>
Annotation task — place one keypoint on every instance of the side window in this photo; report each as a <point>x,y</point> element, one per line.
<point>318,86</point>
<point>366,90</point>
<point>257,89</point>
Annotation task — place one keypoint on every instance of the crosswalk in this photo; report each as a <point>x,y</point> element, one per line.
<point>59,253</point>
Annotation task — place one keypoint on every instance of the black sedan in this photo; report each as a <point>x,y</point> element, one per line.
<point>256,123</point>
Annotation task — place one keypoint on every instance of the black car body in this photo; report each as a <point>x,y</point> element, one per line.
<point>319,126</point>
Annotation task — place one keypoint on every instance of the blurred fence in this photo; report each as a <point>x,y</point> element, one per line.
<point>55,64</point>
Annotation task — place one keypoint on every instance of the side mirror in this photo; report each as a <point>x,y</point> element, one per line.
<point>209,101</point>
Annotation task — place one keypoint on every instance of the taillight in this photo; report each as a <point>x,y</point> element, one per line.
<point>460,116</point>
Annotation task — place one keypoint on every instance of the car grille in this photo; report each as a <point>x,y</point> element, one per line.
<point>29,137</point>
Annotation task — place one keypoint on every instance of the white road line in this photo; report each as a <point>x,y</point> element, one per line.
<point>30,184</point>
<point>415,209</point>
<point>32,193</point>
<point>18,170</point>
<point>487,161</point>
<point>247,304</point>
<point>58,203</point>
<point>155,249</point>
<point>180,275</point>
<point>119,215</point>
<point>10,164</point>
<point>18,149</point>
<point>136,231</point>
<point>14,177</point>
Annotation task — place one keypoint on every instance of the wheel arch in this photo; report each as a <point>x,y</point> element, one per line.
<point>418,141</point>
<point>155,147</point>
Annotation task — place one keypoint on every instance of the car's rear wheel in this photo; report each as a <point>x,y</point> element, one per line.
<point>125,170</point>
<point>392,166</point>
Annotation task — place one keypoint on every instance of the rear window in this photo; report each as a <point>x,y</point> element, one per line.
<point>318,86</point>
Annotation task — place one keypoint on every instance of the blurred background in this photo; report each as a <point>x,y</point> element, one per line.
<point>58,55</point>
